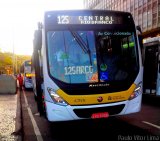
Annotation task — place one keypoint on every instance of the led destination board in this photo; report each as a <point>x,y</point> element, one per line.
<point>85,18</point>
<point>100,19</point>
<point>95,17</point>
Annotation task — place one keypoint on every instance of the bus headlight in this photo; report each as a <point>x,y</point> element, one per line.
<point>136,92</point>
<point>56,98</point>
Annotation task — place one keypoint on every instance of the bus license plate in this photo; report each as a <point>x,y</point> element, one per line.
<point>100,115</point>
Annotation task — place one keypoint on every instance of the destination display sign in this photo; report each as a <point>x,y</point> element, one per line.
<point>86,18</point>
<point>99,19</point>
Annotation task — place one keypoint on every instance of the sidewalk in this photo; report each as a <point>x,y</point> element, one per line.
<point>18,125</point>
<point>10,117</point>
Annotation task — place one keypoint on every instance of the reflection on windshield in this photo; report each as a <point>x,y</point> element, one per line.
<point>117,55</point>
<point>91,56</point>
<point>72,56</point>
<point>84,45</point>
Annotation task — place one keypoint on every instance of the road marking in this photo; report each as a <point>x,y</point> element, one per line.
<point>36,129</point>
<point>156,126</point>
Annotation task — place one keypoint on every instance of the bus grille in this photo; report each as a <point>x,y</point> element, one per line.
<point>87,113</point>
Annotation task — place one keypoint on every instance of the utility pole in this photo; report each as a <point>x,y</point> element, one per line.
<point>13,59</point>
<point>16,63</point>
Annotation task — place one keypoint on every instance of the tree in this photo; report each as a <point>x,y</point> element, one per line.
<point>8,61</point>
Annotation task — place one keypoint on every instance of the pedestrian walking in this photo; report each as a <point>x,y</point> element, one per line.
<point>20,81</point>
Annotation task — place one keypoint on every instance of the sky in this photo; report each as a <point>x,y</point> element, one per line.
<point>18,20</point>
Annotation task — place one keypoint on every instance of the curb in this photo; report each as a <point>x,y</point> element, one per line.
<point>18,120</point>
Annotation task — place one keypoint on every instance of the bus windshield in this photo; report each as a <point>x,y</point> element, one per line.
<point>27,67</point>
<point>27,63</point>
<point>80,56</point>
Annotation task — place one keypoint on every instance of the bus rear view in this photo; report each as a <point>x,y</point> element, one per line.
<point>90,64</point>
<point>26,73</point>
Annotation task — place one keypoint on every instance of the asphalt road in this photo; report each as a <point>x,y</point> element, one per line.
<point>144,125</point>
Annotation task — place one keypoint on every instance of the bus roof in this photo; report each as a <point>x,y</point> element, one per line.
<point>87,10</point>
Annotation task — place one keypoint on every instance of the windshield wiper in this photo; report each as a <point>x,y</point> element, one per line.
<point>78,41</point>
<point>83,45</point>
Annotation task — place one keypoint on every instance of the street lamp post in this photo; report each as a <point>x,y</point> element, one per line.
<point>13,59</point>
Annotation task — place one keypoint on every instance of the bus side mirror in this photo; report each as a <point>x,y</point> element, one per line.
<point>139,29</point>
<point>37,39</point>
<point>140,40</point>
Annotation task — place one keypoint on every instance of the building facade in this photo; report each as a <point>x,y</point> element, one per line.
<point>146,13</point>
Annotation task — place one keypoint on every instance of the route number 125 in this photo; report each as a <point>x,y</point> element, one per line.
<point>63,19</point>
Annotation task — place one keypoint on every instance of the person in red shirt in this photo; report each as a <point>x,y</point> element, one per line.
<point>20,81</point>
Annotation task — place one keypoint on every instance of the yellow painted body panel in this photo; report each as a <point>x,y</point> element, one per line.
<point>92,98</point>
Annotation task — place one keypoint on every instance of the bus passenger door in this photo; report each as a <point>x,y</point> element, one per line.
<point>158,75</point>
<point>151,73</point>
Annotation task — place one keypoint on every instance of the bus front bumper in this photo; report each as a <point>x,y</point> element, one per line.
<point>65,113</point>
